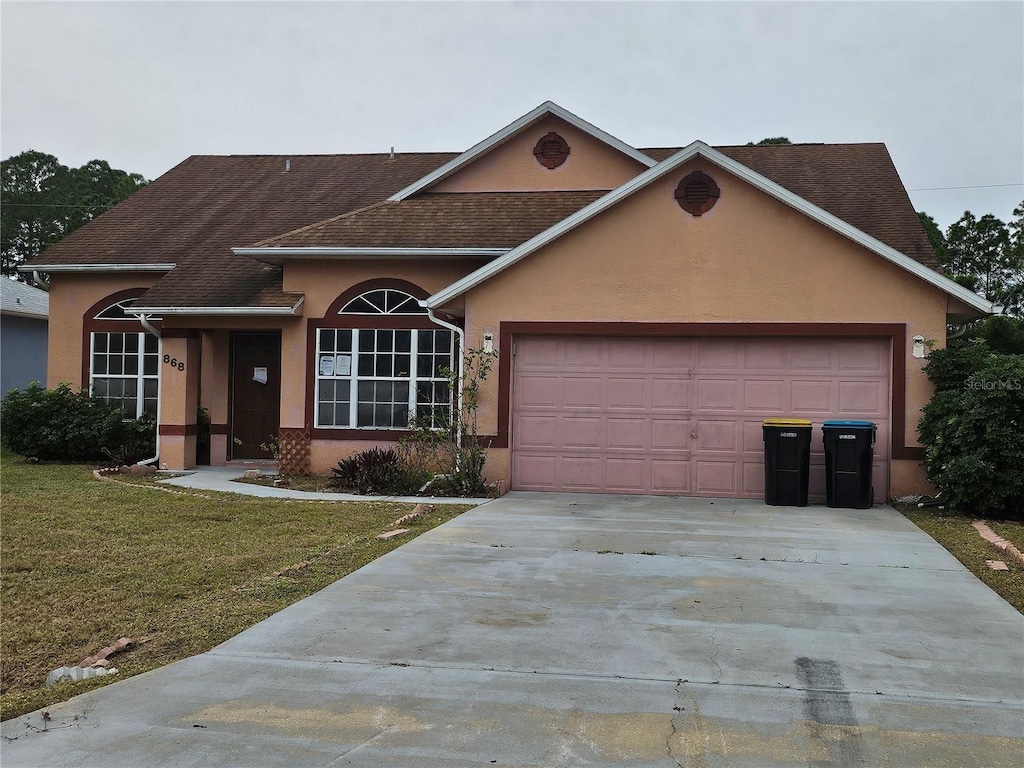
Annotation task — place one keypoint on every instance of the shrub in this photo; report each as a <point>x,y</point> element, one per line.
<point>131,441</point>
<point>59,424</point>
<point>973,430</point>
<point>376,471</point>
<point>1002,334</point>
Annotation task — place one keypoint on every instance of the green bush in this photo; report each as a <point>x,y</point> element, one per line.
<point>63,425</point>
<point>1002,334</point>
<point>973,430</point>
<point>376,471</point>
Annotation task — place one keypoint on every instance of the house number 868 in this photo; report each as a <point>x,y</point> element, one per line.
<point>174,362</point>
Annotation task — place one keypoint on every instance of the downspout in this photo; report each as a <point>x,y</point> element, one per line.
<point>37,278</point>
<point>144,319</point>
<point>461,333</point>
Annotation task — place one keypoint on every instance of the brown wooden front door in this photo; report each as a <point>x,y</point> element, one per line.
<point>255,393</point>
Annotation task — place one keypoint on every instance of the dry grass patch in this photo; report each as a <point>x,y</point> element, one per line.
<point>957,534</point>
<point>86,562</point>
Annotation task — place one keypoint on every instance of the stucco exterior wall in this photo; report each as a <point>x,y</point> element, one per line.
<point>322,282</point>
<point>512,167</point>
<point>70,296</point>
<point>751,259</point>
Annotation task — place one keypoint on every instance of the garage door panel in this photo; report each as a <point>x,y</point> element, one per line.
<point>617,415</point>
<point>765,355</point>
<point>811,397</point>
<point>670,476</point>
<point>717,394</point>
<point>765,395</point>
<point>582,392</point>
<point>626,433</point>
<point>861,355</point>
<point>535,390</point>
<point>670,434</point>
<point>866,397</point>
<point>582,432</point>
<point>627,392</point>
<point>715,478</point>
<point>580,473</point>
<point>625,475</point>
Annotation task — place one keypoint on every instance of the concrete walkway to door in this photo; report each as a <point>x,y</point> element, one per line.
<point>566,630</point>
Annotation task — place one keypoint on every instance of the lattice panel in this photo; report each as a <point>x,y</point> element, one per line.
<point>295,452</point>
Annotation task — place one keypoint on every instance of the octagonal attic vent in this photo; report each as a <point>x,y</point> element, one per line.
<point>697,193</point>
<point>551,151</point>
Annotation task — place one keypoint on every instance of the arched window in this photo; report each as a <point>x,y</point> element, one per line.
<point>123,358</point>
<point>380,373</point>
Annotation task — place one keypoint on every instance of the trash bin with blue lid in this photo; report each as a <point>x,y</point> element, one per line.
<point>787,461</point>
<point>849,453</point>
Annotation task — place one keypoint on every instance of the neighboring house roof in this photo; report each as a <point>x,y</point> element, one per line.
<point>23,300</point>
<point>700,149</point>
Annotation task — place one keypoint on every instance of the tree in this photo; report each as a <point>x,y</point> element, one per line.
<point>770,140</point>
<point>981,255</point>
<point>42,201</point>
<point>935,236</point>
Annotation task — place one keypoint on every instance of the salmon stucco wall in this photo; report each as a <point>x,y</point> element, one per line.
<point>750,259</point>
<point>322,282</point>
<point>70,296</point>
<point>512,167</point>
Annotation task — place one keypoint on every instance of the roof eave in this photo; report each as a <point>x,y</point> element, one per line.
<point>51,268</point>
<point>510,130</point>
<point>278,255</point>
<point>221,311</point>
<point>699,148</point>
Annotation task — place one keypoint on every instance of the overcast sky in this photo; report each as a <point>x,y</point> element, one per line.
<point>143,85</point>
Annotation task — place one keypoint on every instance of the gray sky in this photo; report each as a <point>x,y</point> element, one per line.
<point>143,85</point>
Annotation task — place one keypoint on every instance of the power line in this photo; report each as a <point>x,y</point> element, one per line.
<point>976,186</point>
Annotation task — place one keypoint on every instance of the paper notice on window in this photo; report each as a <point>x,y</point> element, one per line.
<point>326,365</point>
<point>344,365</point>
<point>259,375</point>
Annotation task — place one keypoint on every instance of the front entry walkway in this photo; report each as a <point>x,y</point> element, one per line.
<point>566,630</point>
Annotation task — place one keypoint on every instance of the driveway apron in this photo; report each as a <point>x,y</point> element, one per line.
<point>566,630</point>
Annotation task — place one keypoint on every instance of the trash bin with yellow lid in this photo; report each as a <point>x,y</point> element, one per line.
<point>787,461</point>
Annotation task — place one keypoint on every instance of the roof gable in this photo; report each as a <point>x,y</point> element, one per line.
<point>700,149</point>
<point>543,112</point>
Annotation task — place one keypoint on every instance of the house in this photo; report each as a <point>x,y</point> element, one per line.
<point>650,306</point>
<point>23,316</point>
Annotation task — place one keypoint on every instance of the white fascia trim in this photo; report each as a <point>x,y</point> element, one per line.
<point>274,255</point>
<point>752,177</point>
<point>232,311</point>
<point>97,268</point>
<point>510,130</point>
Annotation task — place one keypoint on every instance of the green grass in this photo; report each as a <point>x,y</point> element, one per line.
<point>957,534</point>
<point>85,562</point>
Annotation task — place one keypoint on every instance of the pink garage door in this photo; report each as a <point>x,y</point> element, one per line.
<point>683,416</point>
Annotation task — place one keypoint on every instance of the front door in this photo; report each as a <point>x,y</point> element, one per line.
<point>255,393</point>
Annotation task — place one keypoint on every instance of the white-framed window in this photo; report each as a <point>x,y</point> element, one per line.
<point>379,378</point>
<point>124,365</point>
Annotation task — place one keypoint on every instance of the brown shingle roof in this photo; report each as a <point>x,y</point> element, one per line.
<point>465,220</point>
<point>195,213</point>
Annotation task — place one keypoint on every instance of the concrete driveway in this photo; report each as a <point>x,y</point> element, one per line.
<point>563,630</point>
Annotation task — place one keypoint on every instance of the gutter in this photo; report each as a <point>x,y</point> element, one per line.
<point>461,332</point>
<point>97,268</point>
<point>144,319</point>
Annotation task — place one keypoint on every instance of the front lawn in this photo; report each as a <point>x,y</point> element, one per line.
<point>85,562</point>
<point>957,534</point>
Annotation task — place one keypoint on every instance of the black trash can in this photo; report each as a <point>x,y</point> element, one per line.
<point>787,461</point>
<point>849,450</point>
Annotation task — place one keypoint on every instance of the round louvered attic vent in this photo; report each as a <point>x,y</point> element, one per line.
<point>551,150</point>
<point>697,193</point>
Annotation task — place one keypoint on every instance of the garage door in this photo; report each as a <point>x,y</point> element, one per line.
<point>683,416</point>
